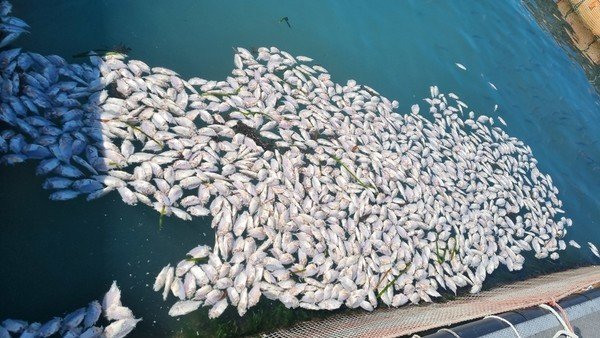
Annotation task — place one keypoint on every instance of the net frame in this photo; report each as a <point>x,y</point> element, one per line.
<point>393,322</point>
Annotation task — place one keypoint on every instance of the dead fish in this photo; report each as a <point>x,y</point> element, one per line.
<point>184,307</point>
<point>159,282</point>
<point>594,249</point>
<point>120,328</point>
<point>51,327</point>
<point>112,297</point>
<point>92,314</point>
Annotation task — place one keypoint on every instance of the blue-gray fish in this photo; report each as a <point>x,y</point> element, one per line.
<point>30,332</point>
<point>14,21</point>
<point>7,56</point>
<point>24,61</point>
<point>84,164</point>
<point>17,106</point>
<point>5,8</point>
<point>54,183</point>
<point>68,170</point>
<point>17,143</point>
<point>35,151</point>
<point>14,326</point>
<point>92,332</point>
<point>12,28</point>
<point>50,327</point>
<point>73,333</point>
<point>63,195</point>
<point>4,332</point>
<point>92,313</point>
<point>87,185</point>
<point>12,159</point>
<point>78,146</point>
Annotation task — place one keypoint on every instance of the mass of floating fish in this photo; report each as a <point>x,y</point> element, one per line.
<point>321,194</point>
<point>81,323</point>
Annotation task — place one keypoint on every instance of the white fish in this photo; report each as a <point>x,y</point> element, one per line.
<point>184,307</point>
<point>198,211</point>
<point>200,251</point>
<point>120,328</point>
<point>217,309</point>
<point>330,304</point>
<point>254,296</point>
<point>159,282</point>
<point>460,66</point>
<point>574,244</point>
<point>414,109</point>
<point>116,312</point>
<point>112,297</point>
<point>502,121</point>
<point>242,305</point>
<point>492,85</point>
<point>168,281</point>
<point>594,249</point>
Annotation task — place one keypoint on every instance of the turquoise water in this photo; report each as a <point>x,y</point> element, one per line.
<point>56,256</point>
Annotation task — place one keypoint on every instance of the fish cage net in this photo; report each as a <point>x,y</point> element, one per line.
<point>589,11</point>
<point>393,322</point>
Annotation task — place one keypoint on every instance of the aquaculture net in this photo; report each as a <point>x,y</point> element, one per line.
<point>589,11</point>
<point>392,322</point>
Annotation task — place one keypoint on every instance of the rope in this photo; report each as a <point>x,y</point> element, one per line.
<point>507,322</point>
<point>568,330</point>
<point>450,332</point>
<point>563,313</point>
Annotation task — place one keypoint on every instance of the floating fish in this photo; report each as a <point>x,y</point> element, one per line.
<point>184,307</point>
<point>594,249</point>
